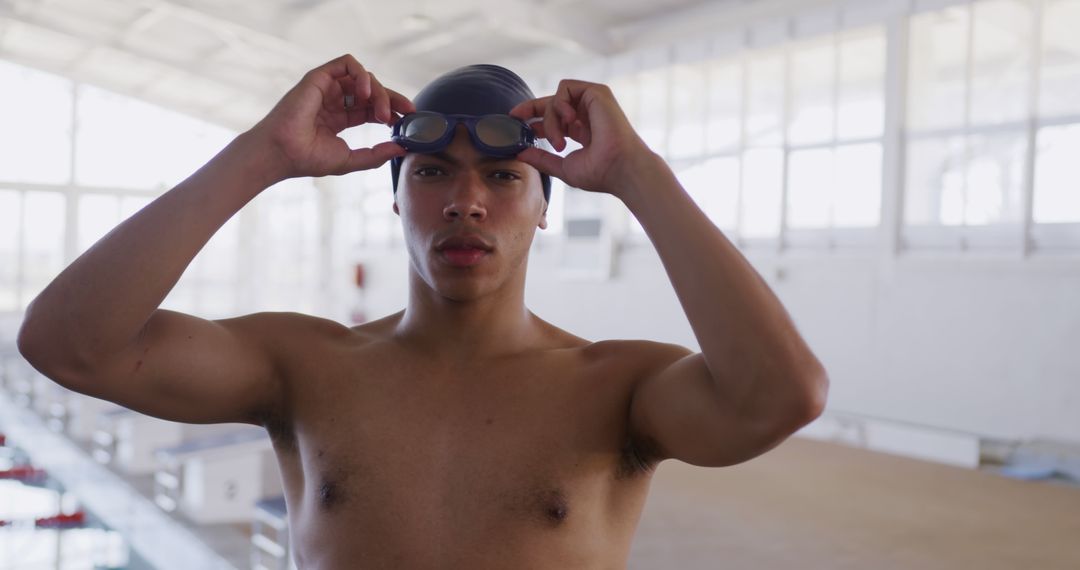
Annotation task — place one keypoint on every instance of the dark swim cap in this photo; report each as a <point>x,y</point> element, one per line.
<point>473,90</point>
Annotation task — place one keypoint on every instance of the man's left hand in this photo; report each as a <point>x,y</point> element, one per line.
<point>612,155</point>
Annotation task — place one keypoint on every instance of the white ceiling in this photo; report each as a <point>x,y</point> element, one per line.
<point>228,61</point>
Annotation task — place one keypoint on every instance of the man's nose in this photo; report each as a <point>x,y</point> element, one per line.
<point>467,199</point>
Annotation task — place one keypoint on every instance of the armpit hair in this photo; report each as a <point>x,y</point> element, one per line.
<point>637,457</point>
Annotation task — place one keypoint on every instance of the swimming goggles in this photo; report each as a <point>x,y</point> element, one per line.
<point>496,135</point>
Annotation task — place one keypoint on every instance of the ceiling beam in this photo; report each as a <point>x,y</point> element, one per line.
<point>192,68</point>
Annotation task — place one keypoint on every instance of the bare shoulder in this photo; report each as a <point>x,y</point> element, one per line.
<point>636,357</point>
<point>278,330</point>
<point>644,356</point>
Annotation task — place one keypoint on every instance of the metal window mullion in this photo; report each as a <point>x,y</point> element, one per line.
<point>669,56</point>
<point>20,252</point>
<point>325,199</point>
<point>894,139</point>
<point>744,80</point>
<point>785,119</point>
<point>969,72</point>
<point>1027,200</point>
<point>838,29</point>
<point>71,195</point>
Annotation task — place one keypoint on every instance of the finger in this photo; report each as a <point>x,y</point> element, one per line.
<point>580,132</point>
<point>345,65</point>
<point>341,94</point>
<point>380,100</point>
<point>374,157</point>
<point>400,103</point>
<point>553,127</point>
<point>530,109</point>
<point>538,129</point>
<point>565,110</point>
<point>339,68</point>
<point>544,161</point>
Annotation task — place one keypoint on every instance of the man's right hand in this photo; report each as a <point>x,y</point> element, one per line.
<point>300,134</point>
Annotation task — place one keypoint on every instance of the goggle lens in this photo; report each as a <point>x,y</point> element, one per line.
<point>425,128</point>
<point>499,131</point>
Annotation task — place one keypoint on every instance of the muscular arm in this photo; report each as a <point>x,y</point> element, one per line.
<point>97,328</point>
<point>755,381</point>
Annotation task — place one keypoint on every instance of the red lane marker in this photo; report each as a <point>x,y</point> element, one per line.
<point>23,473</point>
<point>78,518</point>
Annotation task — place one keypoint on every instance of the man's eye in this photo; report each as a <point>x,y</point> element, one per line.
<point>426,171</point>
<point>505,175</point>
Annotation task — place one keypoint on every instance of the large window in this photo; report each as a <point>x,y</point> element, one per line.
<point>124,152</point>
<point>748,131</point>
<point>980,146</point>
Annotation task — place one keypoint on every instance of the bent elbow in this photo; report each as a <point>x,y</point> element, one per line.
<point>45,354</point>
<point>26,341</point>
<point>817,395</point>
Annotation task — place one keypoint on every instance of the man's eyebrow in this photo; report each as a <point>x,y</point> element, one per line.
<point>446,157</point>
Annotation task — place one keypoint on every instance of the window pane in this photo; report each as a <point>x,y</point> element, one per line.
<point>765,100</point>
<point>813,76</point>
<point>287,247</point>
<point>1060,59</point>
<point>811,183</point>
<point>995,176</point>
<point>378,204</point>
<point>217,270</point>
<point>35,126</point>
<point>123,142</point>
<point>763,172</point>
<point>937,59</point>
<point>10,209</point>
<point>1057,175</point>
<point>98,214</point>
<point>556,208</point>
<point>714,186</point>
<point>725,100</point>
<point>44,246</point>
<point>626,93</point>
<point>688,111</point>
<point>857,202</point>
<point>1001,61</point>
<point>653,120</point>
<point>861,105</point>
<point>934,182</point>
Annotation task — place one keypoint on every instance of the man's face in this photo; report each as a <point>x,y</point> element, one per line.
<point>462,192</point>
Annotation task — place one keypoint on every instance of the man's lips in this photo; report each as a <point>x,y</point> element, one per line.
<point>463,256</point>
<point>464,250</point>
<point>464,241</point>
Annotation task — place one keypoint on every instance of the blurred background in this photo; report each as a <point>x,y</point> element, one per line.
<point>905,175</point>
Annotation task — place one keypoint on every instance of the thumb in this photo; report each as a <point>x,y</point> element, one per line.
<point>374,157</point>
<point>544,161</point>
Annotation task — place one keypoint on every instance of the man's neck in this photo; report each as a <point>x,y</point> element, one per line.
<point>462,331</point>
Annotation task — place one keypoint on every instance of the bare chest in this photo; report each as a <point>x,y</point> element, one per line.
<point>409,451</point>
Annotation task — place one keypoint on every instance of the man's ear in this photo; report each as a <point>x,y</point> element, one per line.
<point>543,218</point>
<point>396,211</point>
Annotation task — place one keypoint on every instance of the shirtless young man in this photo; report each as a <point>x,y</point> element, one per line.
<point>464,431</point>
